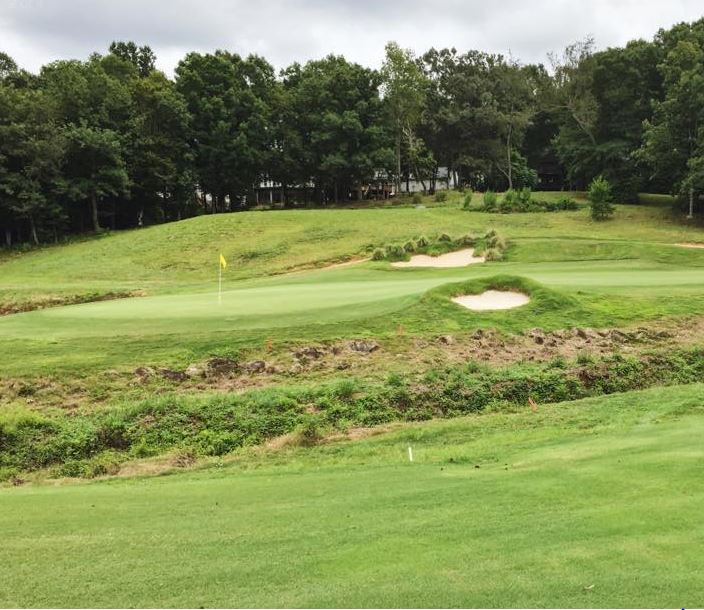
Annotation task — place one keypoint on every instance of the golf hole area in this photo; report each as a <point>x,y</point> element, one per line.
<point>492,300</point>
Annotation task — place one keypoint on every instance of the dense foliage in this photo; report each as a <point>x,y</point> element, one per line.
<point>112,142</point>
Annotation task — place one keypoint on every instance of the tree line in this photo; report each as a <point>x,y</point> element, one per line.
<point>113,142</point>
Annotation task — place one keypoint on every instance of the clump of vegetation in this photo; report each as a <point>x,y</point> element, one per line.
<point>410,246</point>
<point>493,254</point>
<point>417,198</point>
<point>600,199</point>
<point>490,202</point>
<point>395,252</point>
<point>468,240</point>
<point>444,237</point>
<point>440,196</point>
<point>467,201</point>
<point>496,241</point>
<point>422,242</point>
<point>379,254</point>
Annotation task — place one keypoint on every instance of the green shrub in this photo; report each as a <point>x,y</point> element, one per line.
<point>566,203</point>
<point>444,237</point>
<point>509,202</point>
<point>311,430</point>
<point>493,254</point>
<point>467,201</point>
<point>410,246</point>
<point>395,252</point>
<point>600,199</point>
<point>490,233</point>
<point>379,254</point>
<point>422,241</point>
<point>524,199</point>
<point>496,242</point>
<point>468,240</point>
<point>416,198</point>
<point>441,196</point>
<point>490,201</point>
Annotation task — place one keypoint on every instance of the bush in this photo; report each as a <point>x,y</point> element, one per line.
<point>600,199</point>
<point>490,233</point>
<point>468,240</point>
<point>493,254</point>
<point>417,198</point>
<point>509,202</point>
<point>441,196</point>
<point>444,237</point>
<point>311,430</point>
<point>379,254</point>
<point>497,242</point>
<point>395,252</point>
<point>410,246</point>
<point>422,241</point>
<point>566,203</point>
<point>524,199</point>
<point>490,201</point>
<point>467,201</point>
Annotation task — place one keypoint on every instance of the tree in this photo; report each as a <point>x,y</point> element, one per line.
<point>600,199</point>
<point>94,168</point>
<point>228,98</point>
<point>674,138</point>
<point>142,58</point>
<point>404,90</point>
<point>337,119</point>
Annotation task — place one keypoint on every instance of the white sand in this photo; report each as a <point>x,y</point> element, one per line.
<point>492,299</point>
<point>461,258</point>
<point>690,245</point>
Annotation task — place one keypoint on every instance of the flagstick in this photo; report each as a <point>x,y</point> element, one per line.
<point>219,283</point>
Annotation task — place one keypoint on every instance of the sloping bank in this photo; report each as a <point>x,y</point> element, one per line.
<point>214,424</point>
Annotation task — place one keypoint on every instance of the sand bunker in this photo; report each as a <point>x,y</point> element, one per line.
<point>492,299</point>
<point>461,258</point>
<point>690,245</point>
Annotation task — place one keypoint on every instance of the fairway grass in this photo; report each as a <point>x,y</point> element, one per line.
<point>595,503</point>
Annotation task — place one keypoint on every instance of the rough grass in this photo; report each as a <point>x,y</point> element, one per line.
<point>595,503</point>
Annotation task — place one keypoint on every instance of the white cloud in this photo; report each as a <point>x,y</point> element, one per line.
<point>35,32</point>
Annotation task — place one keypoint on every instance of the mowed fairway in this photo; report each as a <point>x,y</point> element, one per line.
<point>595,503</point>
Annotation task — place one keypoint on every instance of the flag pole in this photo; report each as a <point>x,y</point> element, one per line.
<point>219,283</point>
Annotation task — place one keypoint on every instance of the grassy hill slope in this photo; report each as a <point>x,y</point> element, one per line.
<point>594,503</point>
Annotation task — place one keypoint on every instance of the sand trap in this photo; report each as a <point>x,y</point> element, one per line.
<point>690,245</point>
<point>492,299</point>
<point>461,258</point>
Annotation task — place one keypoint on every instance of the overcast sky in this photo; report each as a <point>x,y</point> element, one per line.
<point>35,32</point>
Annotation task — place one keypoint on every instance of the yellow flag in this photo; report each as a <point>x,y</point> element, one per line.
<point>223,262</point>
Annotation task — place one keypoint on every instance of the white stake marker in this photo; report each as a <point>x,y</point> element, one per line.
<point>410,454</point>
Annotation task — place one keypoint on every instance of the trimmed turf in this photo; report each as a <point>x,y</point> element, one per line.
<point>595,503</point>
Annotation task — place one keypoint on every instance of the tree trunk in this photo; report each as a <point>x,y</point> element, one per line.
<point>398,162</point>
<point>508,159</point>
<point>33,231</point>
<point>691,203</point>
<point>94,212</point>
<point>8,238</point>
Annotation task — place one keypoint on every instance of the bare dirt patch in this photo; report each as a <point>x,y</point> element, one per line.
<point>492,300</point>
<point>460,258</point>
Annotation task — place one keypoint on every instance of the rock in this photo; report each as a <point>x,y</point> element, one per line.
<point>311,352</point>
<point>194,370</point>
<point>273,370</point>
<point>218,367</point>
<point>172,375</point>
<point>446,339</point>
<point>256,366</point>
<point>144,372</point>
<point>478,334</point>
<point>365,347</point>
